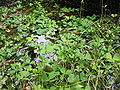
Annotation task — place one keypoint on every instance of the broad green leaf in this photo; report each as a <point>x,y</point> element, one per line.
<point>37,87</point>
<point>61,88</point>
<point>116,57</point>
<point>63,70</point>
<point>87,88</point>
<point>83,76</point>
<point>53,88</point>
<point>108,56</point>
<point>62,77</point>
<point>88,56</point>
<point>81,55</point>
<point>71,78</point>
<point>49,49</point>
<point>43,50</point>
<point>53,74</point>
<point>28,67</point>
<point>24,73</point>
<point>77,87</point>
<point>94,67</point>
<point>68,72</point>
<point>44,78</point>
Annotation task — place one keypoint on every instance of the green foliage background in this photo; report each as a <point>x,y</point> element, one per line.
<point>87,50</point>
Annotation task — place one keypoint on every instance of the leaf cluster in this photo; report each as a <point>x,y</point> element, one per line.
<point>73,53</point>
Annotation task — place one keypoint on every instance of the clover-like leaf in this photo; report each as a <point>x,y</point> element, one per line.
<point>116,57</point>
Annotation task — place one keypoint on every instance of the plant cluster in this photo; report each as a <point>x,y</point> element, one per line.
<point>79,53</point>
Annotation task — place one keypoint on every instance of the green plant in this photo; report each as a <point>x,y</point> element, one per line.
<point>80,53</point>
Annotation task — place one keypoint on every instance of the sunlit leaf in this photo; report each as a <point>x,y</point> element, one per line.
<point>108,56</point>
<point>116,57</point>
<point>87,88</point>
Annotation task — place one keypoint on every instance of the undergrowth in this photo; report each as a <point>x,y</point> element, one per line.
<point>79,53</point>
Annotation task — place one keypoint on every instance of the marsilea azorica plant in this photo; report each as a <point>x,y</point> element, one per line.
<point>87,51</point>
